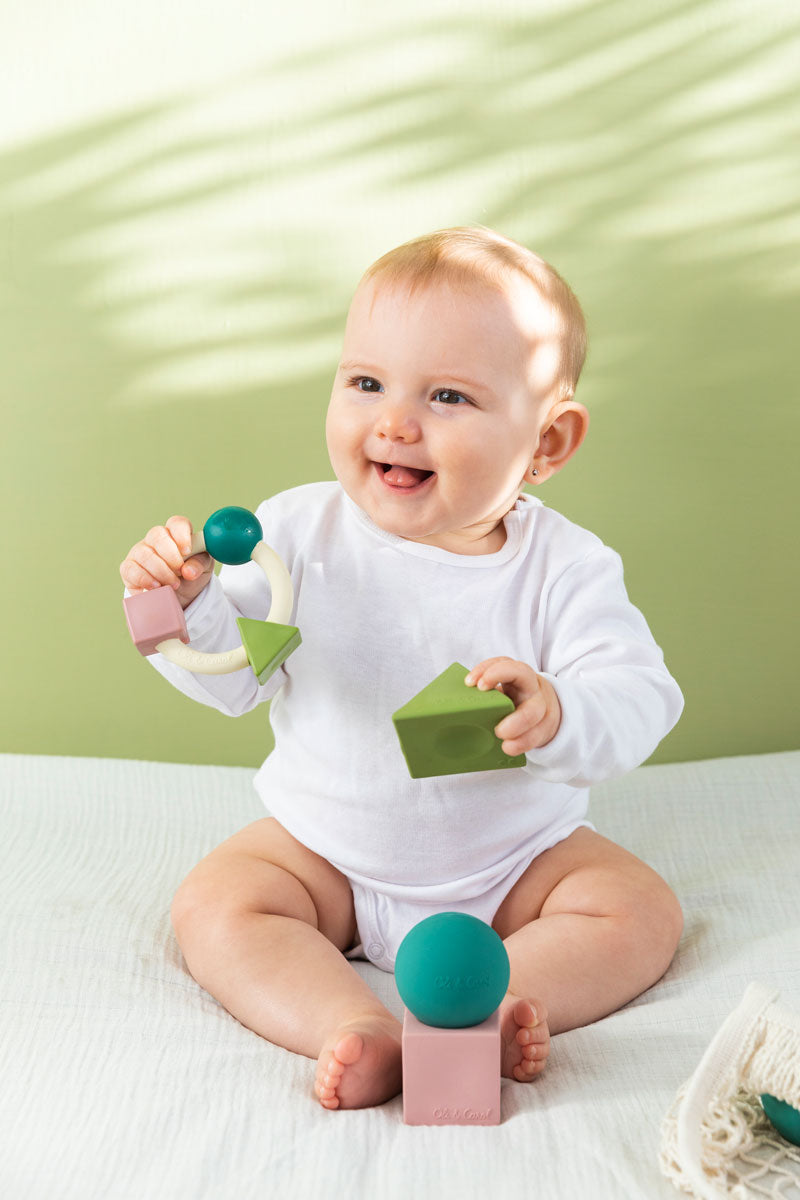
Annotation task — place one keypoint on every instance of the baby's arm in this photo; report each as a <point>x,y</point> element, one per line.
<point>603,698</point>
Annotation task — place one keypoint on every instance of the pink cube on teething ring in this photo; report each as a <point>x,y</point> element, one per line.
<point>153,617</point>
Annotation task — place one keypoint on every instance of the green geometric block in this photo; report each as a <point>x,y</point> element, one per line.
<point>448,728</point>
<point>267,644</point>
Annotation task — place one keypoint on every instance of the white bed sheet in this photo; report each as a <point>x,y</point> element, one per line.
<point>122,1079</point>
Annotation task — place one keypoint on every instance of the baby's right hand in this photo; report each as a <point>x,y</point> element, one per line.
<point>163,558</point>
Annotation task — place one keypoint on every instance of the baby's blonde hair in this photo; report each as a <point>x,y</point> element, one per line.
<point>473,253</point>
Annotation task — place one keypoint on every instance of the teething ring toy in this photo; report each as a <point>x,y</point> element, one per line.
<point>156,622</point>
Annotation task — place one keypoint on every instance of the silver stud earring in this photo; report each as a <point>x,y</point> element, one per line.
<point>536,470</point>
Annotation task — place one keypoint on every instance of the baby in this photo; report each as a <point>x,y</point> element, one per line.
<point>461,354</point>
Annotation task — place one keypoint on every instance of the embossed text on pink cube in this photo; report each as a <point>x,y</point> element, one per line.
<point>153,617</point>
<point>451,1076</point>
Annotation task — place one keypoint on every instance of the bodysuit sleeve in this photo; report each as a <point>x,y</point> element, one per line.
<point>618,700</point>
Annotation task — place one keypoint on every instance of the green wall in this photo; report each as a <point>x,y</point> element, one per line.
<point>187,199</point>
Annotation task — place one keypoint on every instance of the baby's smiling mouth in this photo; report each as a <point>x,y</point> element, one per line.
<point>403,478</point>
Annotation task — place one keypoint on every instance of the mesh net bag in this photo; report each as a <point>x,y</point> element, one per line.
<point>716,1140</point>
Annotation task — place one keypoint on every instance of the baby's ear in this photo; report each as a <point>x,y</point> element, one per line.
<point>567,426</point>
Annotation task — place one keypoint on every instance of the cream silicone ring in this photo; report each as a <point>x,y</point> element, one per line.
<point>202,663</point>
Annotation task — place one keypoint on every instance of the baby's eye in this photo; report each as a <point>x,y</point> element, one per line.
<point>447,396</point>
<point>357,380</point>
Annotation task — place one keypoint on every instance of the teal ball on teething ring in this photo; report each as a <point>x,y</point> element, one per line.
<point>452,970</point>
<point>232,534</point>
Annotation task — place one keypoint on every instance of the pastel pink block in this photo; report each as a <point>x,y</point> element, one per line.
<point>451,1076</point>
<point>153,617</point>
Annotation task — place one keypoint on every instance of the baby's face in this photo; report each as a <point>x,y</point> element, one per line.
<point>438,406</point>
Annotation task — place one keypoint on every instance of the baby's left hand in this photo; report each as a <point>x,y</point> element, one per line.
<point>537,711</point>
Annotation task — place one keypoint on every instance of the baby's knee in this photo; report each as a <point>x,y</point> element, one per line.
<point>204,924</point>
<point>201,907</point>
<point>673,915</point>
<point>190,907</point>
<point>660,919</point>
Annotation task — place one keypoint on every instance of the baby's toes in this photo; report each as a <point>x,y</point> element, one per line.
<point>529,1044</point>
<point>531,1018</point>
<point>538,1038</point>
<point>533,1024</point>
<point>534,1059</point>
<point>327,1097</point>
<point>326,1081</point>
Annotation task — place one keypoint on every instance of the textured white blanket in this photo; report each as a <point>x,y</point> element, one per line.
<point>122,1080</point>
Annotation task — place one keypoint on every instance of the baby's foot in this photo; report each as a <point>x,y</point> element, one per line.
<point>525,1038</point>
<point>360,1065</point>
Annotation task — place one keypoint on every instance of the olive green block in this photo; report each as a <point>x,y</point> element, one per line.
<point>448,728</point>
<point>267,644</point>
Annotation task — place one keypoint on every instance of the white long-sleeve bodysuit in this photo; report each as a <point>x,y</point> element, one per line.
<point>380,617</point>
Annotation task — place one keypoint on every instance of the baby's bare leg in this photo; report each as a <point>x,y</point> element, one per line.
<point>262,923</point>
<point>587,928</point>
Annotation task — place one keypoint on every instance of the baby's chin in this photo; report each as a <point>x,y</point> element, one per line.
<point>409,530</point>
<point>383,513</point>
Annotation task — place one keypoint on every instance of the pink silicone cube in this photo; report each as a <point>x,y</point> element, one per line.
<point>153,617</point>
<point>451,1076</point>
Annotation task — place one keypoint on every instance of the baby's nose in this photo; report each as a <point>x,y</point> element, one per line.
<point>398,421</point>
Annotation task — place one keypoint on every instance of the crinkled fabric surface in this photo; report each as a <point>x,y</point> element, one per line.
<point>122,1079</point>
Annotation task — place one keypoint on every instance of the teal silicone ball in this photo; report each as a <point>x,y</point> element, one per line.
<point>785,1117</point>
<point>452,970</point>
<point>232,534</point>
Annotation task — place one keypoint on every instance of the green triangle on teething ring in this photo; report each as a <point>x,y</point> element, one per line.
<point>267,644</point>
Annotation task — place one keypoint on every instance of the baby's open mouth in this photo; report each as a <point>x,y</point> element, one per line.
<point>406,478</point>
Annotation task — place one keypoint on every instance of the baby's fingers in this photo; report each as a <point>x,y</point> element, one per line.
<point>161,540</point>
<point>477,677</point>
<point>144,568</point>
<point>136,577</point>
<point>195,566</point>
<point>521,725</point>
<point>515,678</point>
<point>157,559</point>
<point>180,530</point>
<point>533,724</point>
<point>521,739</point>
